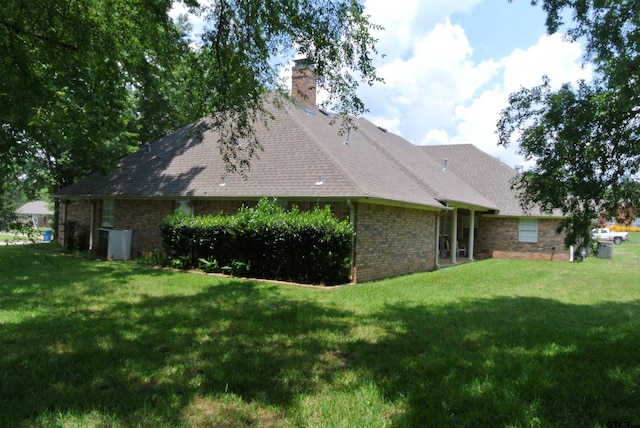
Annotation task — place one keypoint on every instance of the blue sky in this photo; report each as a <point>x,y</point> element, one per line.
<point>449,67</point>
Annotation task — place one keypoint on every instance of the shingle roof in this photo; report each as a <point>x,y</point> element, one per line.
<point>299,148</point>
<point>487,175</point>
<point>444,186</point>
<point>35,208</point>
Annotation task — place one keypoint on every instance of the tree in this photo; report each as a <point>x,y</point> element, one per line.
<point>86,81</point>
<point>71,71</point>
<point>239,54</point>
<point>584,136</point>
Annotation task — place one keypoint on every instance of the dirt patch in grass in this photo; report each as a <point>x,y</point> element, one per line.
<point>225,412</point>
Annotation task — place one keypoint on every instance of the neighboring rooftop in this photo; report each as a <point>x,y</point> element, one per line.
<point>35,208</point>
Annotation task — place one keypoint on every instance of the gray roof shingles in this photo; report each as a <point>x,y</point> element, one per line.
<point>299,149</point>
<point>487,175</point>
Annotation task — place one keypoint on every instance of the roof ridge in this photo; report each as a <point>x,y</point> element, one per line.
<point>400,164</point>
<point>327,154</point>
<point>494,159</point>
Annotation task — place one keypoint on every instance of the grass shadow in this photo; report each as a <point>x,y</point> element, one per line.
<point>132,346</point>
<point>507,361</point>
<point>146,361</point>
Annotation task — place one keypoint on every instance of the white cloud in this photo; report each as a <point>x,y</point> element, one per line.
<point>476,120</point>
<point>435,93</point>
<point>407,20</point>
<point>425,88</point>
<point>392,15</point>
<point>391,125</point>
<point>552,56</point>
<point>436,136</point>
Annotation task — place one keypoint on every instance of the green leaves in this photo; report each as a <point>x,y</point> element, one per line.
<point>584,136</point>
<point>86,81</point>
<point>309,247</point>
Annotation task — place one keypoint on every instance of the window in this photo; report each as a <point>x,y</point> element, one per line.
<point>528,230</point>
<point>183,206</point>
<point>283,204</point>
<point>106,215</point>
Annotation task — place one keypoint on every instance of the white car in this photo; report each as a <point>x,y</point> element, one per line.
<point>605,234</point>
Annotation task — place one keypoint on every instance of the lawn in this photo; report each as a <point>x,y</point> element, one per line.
<point>491,343</point>
<point>12,236</point>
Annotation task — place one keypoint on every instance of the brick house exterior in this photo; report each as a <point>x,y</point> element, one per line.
<point>413,208</point>
<point>499,239</point>
<point>391,240</point>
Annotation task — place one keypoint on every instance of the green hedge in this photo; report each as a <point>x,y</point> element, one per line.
<point>265,242</point>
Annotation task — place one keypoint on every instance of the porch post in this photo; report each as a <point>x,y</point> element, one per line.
<point>453,245</point>
<point>437,261</point>
<point>472,226</point>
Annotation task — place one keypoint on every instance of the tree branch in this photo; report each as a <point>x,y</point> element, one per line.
<point>18,30</point>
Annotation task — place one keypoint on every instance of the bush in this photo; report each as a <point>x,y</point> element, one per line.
<point>266,242</point>
<point>625,228</point>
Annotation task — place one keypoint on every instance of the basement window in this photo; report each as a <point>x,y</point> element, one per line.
<point>528,230</point>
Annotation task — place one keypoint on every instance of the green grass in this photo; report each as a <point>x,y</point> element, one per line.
<point>9,235</point>
<point>491,343</point>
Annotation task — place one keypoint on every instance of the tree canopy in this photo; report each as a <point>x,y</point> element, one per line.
<point>86,81</point>
<point>584,137</point>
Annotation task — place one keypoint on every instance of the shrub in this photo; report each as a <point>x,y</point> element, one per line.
<point>625,228</point>
<point>265,241</point>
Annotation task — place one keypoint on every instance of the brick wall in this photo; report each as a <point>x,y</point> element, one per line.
<point>498,238</point>
<point>393,241</point>
<point>390,241</point>
<point>143,217</point>
<point>78,212</point>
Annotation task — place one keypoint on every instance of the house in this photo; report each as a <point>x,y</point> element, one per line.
<point>413,208</point>
<point>37,213</point>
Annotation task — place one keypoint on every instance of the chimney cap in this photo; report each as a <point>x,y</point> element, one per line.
<point>302,63</point>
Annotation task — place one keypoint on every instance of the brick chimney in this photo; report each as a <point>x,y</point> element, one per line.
<point>303,84</point>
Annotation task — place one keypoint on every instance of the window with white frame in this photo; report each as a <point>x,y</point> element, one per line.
<point>528,230</point>
<point>184,206</point>
<point>106,213</point>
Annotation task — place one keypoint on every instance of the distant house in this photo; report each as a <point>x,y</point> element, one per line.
<point>37,213</point>
<point>413,208</point>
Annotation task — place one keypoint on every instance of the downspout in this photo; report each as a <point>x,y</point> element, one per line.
<point>56,219</point>
<point>352,221</point>
<point>93,212</point>
<point>64,223</point>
